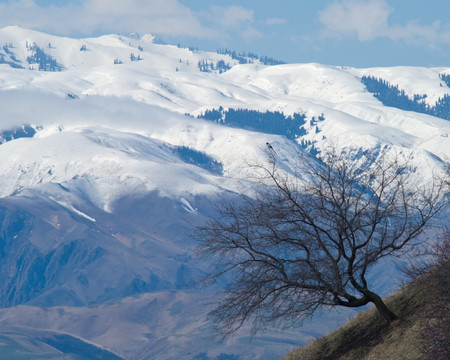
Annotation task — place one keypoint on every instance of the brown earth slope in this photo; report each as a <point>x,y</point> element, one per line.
<point>422,331</point>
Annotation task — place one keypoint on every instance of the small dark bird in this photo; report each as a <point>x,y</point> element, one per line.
<point>271,148</point>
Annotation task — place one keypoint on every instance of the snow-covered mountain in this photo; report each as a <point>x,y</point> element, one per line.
<point>107,159</point>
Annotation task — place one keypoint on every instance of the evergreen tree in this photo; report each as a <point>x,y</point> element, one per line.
<point>391,95</point>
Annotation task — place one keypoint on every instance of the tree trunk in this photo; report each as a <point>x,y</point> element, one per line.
<point>382,308</point>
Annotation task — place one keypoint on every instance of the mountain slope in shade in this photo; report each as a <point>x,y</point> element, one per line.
<point>105,166</point>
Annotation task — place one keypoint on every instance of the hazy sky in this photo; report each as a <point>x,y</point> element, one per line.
<point>359,33</point>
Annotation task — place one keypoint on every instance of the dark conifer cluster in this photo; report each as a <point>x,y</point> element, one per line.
<point>270,122</point>
<point>249,58</point>
<point>198,158</point>
<point>445,78</point>
<point>391,95</point>
<point>209,66</point>
<point>44,61</point>
<point>16,133</point>
<point>8,57</point>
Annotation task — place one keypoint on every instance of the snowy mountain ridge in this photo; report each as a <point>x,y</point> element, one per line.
<point>106,163</point>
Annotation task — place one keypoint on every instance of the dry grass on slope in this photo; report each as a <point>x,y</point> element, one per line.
<point>422,331</point>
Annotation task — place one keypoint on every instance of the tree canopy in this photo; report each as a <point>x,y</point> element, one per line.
<point>308,239</point>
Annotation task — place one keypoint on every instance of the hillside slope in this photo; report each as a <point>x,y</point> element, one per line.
<point>422,331</point>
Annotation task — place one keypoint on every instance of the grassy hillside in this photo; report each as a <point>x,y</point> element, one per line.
<point>422,332</point>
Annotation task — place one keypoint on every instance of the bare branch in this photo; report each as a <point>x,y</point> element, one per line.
<point>307,239</point>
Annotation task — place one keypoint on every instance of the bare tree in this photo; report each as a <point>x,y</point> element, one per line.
<point>308,239</point>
